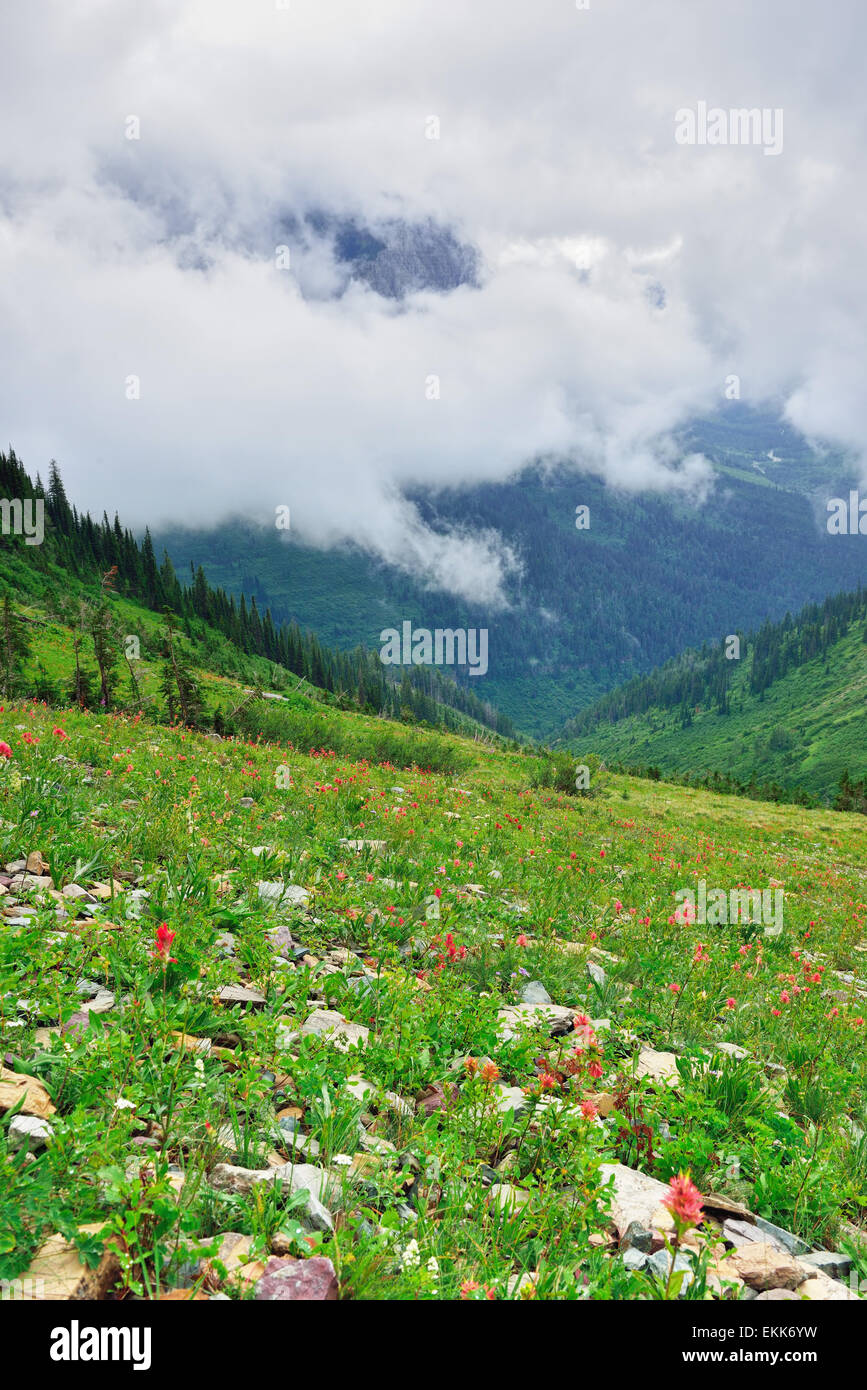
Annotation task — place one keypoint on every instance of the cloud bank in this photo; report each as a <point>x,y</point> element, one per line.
<point>592,281</point>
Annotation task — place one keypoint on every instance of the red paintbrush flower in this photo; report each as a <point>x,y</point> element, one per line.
<point>164,945</point>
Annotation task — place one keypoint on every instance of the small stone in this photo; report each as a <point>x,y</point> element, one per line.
<point>15,1085</point>
<point>534,992</point>
<point>660,1265</point>
<point>286,894</point>
<point>29,1132</point>
<point>634,1259</point>
<point>334,1028</point>
<point>637,1237</point>
<point>521,1286</point>
<point>103,1002</point>
<point>76,893</point>
<point>638,1198</point>
<point>509,1198</point>
<point>819,1286</point>
<point>597,974</point>
<point>657,1066</point>
<point>508,1098</point>
<point>831,1262</point>
<point>763,1266</point>
<point>790,1242</point>
<point>398,1105</point>
<point>358,1088</point>
<point>777,1296</point>
<point>240,994</point>
<point>311,1281</point>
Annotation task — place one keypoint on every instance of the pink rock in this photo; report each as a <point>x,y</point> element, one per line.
<point>311,1281</point>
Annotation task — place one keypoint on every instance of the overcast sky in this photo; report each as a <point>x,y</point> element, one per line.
<point>623,276</point>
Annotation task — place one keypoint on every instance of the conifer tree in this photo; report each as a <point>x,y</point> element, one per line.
<point>180,688</point>
<point>14,649</point>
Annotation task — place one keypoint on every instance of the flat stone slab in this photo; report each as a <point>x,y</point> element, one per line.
<point>638,1198</point>
<point>284,894</point>
<point>334,1028</point>
<point>305,1281</point>
<point>657,1066</point>
<point>239,994</point>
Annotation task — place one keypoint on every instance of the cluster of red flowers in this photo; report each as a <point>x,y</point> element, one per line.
<point>683,1200</point>
<point>164,945</point>
<point>452,951</point>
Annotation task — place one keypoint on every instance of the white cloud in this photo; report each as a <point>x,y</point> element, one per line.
<point>556,158</point>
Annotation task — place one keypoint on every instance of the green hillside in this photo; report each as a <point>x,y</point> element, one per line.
<point>794,723</point>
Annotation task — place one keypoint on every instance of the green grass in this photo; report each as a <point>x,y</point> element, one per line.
<point>468,873</point>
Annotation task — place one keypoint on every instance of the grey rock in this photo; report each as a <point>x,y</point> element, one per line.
<point>660,1264</point>
<point>284,894</point>
<point>103,1002</point>
<point>297,1177</point>
<point>792,1243</point>
<point>29,1132</point>
<point>597,974</point>
<point>534,992</point>
<point>239,994</point>
<point>635,1259</point>
<point>637,1237</point>
<point>831,1262</point>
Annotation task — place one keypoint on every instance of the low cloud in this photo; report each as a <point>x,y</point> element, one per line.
<point>617,277</point>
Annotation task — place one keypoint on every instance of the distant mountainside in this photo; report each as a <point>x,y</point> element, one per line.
<point>651,576</point>
<point>788,714</point>
<point>84,575</point>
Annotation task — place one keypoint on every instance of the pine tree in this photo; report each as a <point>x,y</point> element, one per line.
<point>181,690</point>
<point>14,650</point>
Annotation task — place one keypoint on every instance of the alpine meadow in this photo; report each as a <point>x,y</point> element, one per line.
<point>433,674</point>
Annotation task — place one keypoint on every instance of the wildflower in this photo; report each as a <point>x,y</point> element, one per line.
<point>548,1082</point>
<point>683,1200</point>
<point>433,1268</point>
<point>468,1288</point>
<point>731,1003</point>
<point>5,751</point>
<point>588,1109</point>
<point>471,1065</point>
<point>595,1070</point>
<point>522,940</point>
<point>410,1258</point>
<point>675,989</point>
<point>777,1013</point>
<point>785,997</point>
<point>490,1072</point>
<point>164,945</point>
